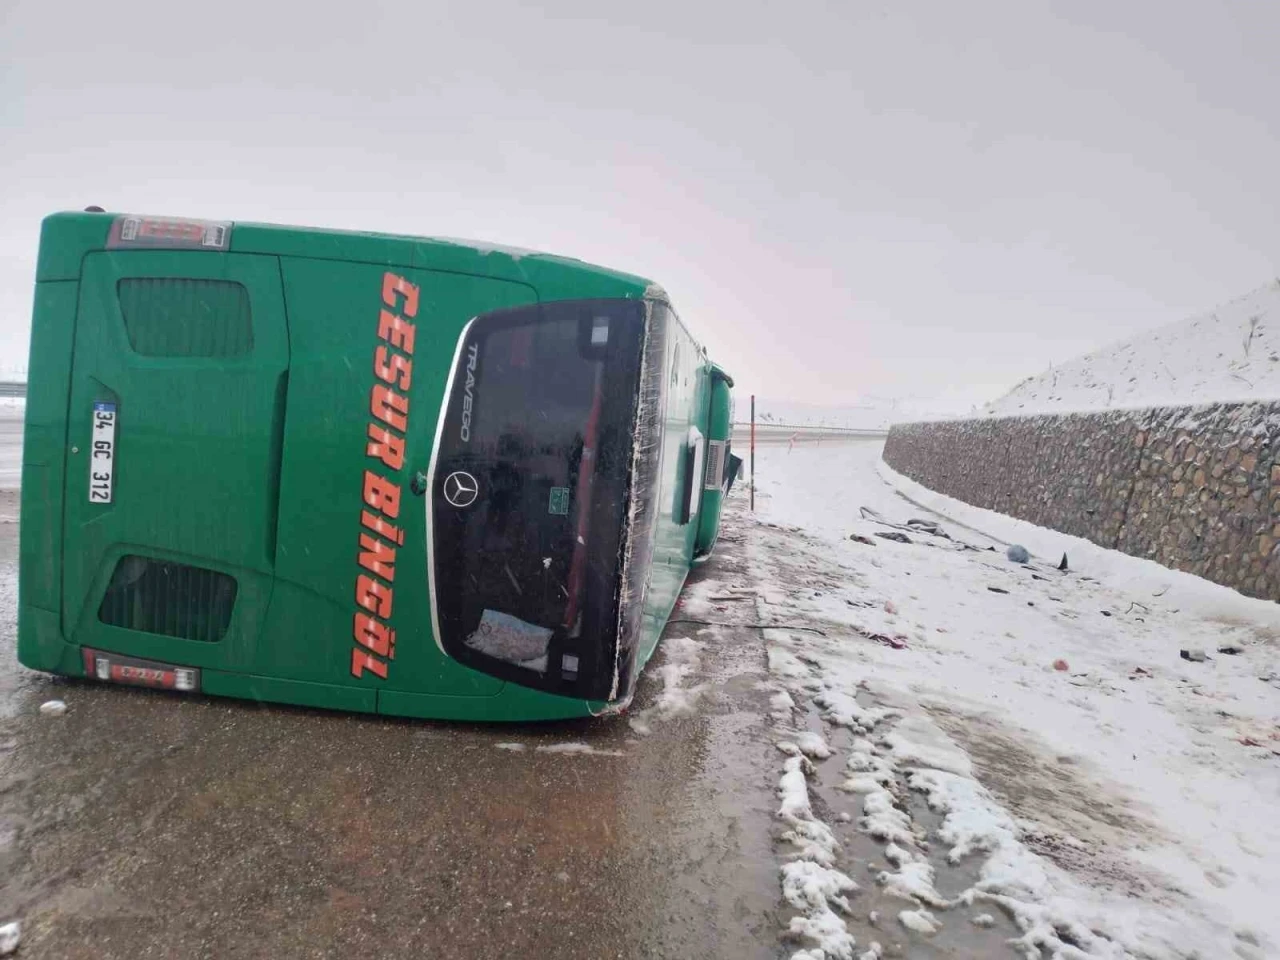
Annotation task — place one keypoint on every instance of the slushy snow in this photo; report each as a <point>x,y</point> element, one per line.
<point>680,659</point>
<point>1123,808</point>
<point>579,748</point>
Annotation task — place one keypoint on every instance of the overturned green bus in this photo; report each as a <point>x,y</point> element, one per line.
<point>390,474</point>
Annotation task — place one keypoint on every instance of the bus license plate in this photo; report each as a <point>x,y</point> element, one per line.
<point>102,453</point>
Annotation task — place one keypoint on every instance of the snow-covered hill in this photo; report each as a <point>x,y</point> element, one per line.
<point>1230,354</point>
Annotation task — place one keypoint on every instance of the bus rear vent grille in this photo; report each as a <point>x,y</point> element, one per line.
<point>171,599</point>
<point>715,464</point>
<point>181,317</point>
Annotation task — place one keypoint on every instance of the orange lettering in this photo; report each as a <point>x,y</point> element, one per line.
<point>374,596</point>
<point>391,285</point>
<point>375,635</point>
<point>389,407</point>
<point>362,660</point>
<point>378,557</point>
<point>388,530</point>
<point>387,365</point>
<point>386,446</point>
<point>397,332</point>
<point>382,494</point>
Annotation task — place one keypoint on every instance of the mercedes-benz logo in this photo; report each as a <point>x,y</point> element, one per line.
<point>461,489</point>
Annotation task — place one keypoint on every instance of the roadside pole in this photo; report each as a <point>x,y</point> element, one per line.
<point>753,453</point>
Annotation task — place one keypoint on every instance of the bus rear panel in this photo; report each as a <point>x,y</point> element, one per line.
<point>356,471</point>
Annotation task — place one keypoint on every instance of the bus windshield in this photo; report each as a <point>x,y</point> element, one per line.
<point>530,492</point>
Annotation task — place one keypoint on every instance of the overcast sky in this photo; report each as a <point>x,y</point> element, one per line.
<point>928,200</point>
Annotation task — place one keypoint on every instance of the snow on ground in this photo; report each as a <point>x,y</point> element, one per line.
<point>577,747</point>
<point>678,658</point>
<point>1121,807</point>
<point>1232,353</point>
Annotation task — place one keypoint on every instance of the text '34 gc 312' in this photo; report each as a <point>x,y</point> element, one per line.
<point>357,471</point>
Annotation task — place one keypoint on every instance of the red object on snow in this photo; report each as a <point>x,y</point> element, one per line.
<point>1061,666</point>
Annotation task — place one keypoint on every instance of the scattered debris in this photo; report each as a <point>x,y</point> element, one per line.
<point>10,937</point>
<point>929,527</point>
<point>890,607</point>
<point>997,589</point>
<point>1139,672</point>
<point>53,708</point>
<point>1061,666</point>
<point>1063,564</point>
<point>914,526</point>
<point>1036,576</point>
<point>1018,553</point>
<point>1106,613</point>
<point>1195,656</point>
<point>859,538</point>
<point>895,537</point>
<point>1250,742</point>
<point>1231,649</point>
<point>897,642</point>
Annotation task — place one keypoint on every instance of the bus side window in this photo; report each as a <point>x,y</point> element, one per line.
<point>690,476</point>
<point>685,506</point>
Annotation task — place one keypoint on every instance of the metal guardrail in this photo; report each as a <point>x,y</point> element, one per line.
<point>810,429</point>
<point>13,388</point>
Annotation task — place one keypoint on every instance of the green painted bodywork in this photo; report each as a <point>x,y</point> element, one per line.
<point>253,465</point>
<point>719,430</point>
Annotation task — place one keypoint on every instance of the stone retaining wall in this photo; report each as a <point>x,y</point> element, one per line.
<point>1193,488</point>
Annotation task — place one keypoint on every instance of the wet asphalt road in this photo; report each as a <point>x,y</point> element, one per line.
<point>143,824</point>
<point>10,446</point>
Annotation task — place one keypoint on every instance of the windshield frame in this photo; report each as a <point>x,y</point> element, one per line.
<point>599,560</point>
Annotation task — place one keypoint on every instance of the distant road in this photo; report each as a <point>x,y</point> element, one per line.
<point>773,433</point>
<point>13,388</point>
<point>10,447</point>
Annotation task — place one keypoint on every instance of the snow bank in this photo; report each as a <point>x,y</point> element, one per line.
<point>1229,354</point>
<point>1121,808</point>
<point>1119,570</point>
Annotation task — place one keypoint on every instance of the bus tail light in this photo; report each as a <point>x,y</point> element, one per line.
<point>168,232</point>
<point>131,671</point>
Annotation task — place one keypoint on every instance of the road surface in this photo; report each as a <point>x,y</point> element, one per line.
<point>10,445</point>
<point>149,825</point>
<point>862,748</point>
